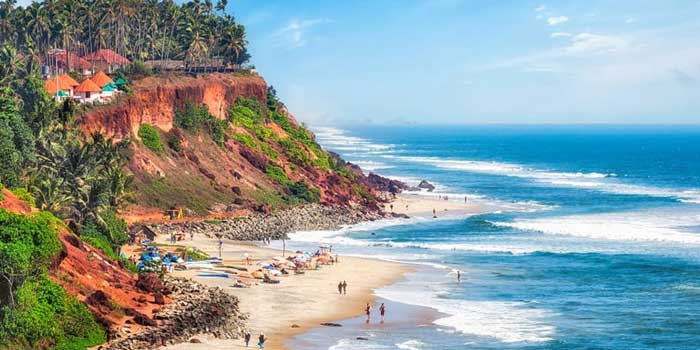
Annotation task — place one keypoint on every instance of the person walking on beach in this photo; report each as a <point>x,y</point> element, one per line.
<point>465,199</point>
<point>262,340</point>
<point>221,246</point>
<point>434,213</point>
<point>247,338</point>
<point>345,287</point>
<point>340,288</point>
<point>367,312</point>
<point>382,311</point>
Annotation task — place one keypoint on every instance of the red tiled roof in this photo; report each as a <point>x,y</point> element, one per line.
<point>75,60</point>
<point>65,82</point>
<point>88,86</point>
<point>108,56</point>
<point>101,79</point>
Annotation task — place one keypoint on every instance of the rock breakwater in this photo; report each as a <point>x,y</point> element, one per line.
<point>276,225</point>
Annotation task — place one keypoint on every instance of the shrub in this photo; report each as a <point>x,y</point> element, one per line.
<point>174,143</point>
<point>151,138</point>
<point>192,117</point>
<point>27,244</point>
<point>45,315</point>
<point>217,129</point>
<point>304,192</point>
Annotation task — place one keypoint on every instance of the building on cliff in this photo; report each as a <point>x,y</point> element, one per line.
<point>106,60</point>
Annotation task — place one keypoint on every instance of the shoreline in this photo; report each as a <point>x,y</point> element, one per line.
<point>300,304</point>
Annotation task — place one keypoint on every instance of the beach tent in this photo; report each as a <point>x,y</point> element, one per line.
<point>120,82</point>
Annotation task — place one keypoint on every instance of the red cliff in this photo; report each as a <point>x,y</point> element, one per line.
<point>155,99</point>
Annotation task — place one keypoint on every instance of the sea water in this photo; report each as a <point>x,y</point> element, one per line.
<point>598,246</point>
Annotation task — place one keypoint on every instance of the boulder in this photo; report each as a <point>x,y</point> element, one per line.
<point>426,186</point>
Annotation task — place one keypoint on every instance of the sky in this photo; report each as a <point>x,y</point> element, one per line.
<point>479,61</point>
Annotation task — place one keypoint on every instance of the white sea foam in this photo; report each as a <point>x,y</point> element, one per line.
<point>336,139</point>
<point>650,226</point>
<point>370,166</point>
<point>507,322</point>
<point>591,180</point>
<point>411,345</point>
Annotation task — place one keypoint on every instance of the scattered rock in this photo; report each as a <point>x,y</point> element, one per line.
<point>331,324</point>
<point>195,309</point>
<point>361,338</point>
<point>295,326</point>
<point>195,341</point>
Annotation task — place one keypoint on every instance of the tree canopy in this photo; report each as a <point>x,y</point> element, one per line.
<point>138,29</point>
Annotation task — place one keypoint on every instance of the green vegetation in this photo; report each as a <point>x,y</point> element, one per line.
<point>194,31</point>
<point>24,195</point>
<point>151,138</point>
<point>276,173</point>
<point>194,117</point>
<point>192,193</point>
<point>174,143</point>
<point>46,316</point>
<point>37,312</point>
<point>300,190</point>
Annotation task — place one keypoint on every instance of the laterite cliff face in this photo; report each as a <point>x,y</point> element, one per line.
<point>155,99</point>
<point>206,178</point>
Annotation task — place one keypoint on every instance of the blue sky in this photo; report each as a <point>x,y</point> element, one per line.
<point>479,61</point>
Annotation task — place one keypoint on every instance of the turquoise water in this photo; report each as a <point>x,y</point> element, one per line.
<point>598,247</point>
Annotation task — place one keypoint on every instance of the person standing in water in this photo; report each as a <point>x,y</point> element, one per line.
<point>246,337</point>
<point>367,312</point>
<point>261,340</point>
<point>382,311</point>
<point>459,276</point>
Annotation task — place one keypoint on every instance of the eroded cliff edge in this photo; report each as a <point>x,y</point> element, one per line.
<point>263,161</point>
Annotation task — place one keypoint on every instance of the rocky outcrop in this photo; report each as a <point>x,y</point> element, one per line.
<point>277,225</point>
<point>196,309</point>
<point>156,99</point>
<point>384,184</point>
<point>426,186</point>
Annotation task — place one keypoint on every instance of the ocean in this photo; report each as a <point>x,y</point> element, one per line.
<point>598,246</point>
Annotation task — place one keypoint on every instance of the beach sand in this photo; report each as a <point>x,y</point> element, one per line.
<point>422,205</point>
<point>308,300</point>
<point>303,300</point>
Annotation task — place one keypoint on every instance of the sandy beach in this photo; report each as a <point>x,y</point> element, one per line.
<point>303,302</point>
<point>415,205</point>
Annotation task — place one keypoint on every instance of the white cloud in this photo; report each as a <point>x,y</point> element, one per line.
<point>631,20</point>
<point>556,35</point>
<point>596,44</point>
<point>294,33</point>
<point>552,21</point>
<point>540,8</point>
